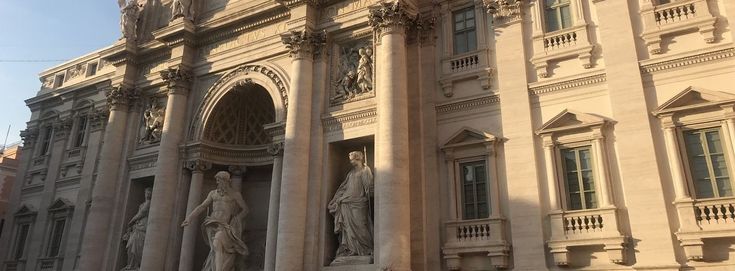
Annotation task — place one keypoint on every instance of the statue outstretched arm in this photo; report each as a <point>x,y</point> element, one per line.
<point>142,212</point>
<point>198,210</point>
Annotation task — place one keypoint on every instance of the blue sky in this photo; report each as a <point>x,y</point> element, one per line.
<point>45,30</point>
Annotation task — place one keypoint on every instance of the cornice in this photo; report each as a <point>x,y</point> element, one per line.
<point>466,105</point>
<point>568,84</point>
<point>688,60</point>
<point>349,120</point>
<point>236,23</point>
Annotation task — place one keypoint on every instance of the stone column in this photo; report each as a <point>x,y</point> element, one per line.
<point>601,168</point>
<point>237,173</point>
<point>675,164</point>
<point>292,210</point>
<point>188,241</point>
<point>392,199</point>
<point>276,150</point>
<point>167,169</point>
<point>551,183</point>
<point>97,230</point>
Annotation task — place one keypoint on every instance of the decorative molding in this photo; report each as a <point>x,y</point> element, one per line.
<point>349,120</point>
<point>504,11</point>
<point>688,60</point>
<point>467,105</point>
<point>390,18</point>
<point>62,127</point>
<point>568,84</point>
<point>121,96</point>
<point>276,149</point>
<point>177,80</point>
<point>142,162</point>
<point>198,165</point>
<point>98,120</point>
<point>29,136</point>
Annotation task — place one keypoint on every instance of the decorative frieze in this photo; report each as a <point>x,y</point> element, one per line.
<point>140,163</point>
<point>503,11</point>
<point>349,120</point>
<point>390,18</point>
<point>568,84</point>
<point>177,80</point>
<point>688,60</point>
<point>302,44</point>
<point>353,73</point>
<point>467,105</point>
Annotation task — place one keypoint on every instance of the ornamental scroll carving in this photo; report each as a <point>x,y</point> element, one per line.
<point>177,79</point>
<point>354,76</point>
<point>503,11</point>
<point>120,95</point>
<point>389,18</point>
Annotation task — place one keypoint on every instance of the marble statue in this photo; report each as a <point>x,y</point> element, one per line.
<point>355,73</point>
<point>350,207</point>
<point>130,10</point>
<point>182,8</point>
<point>223,225</point>
<point>135,235</point>
<point>153,123</point>
<point>365,70</point>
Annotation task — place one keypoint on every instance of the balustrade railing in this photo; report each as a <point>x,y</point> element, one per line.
<point>560,40</point>
<point>675,12</point>
<point>583,223</point>
<point>715,212</point>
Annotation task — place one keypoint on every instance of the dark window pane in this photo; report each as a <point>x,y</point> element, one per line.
<point>482,210</point>
<point>588,180</point>
<point>575,201</point>
<point>724,187</point>
<point>20,242</point>
<point>713,142</point>
<point>471,41</point>
<point>590,200</point>
<point>703,188</point>
<point>56,237</point>
<point>566,17</point>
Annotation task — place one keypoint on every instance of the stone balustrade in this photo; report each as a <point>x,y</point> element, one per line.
<point>464,63</point>
<point>675,18</point>
<point>715,214</point>
<point>473,236</point>
<point>562,39</point>
<point>563,44</point>
<point>49,264</point>
<point>470,65</point>
<point>704,219</point>
<point>585,228</point>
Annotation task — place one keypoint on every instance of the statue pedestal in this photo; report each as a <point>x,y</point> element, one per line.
<point>352,260</point>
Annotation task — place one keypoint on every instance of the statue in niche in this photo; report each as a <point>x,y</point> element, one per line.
<point>223,226</point>
<point>130,10</point>
<point>355,73</point>
<point>182,8</point>
<point>135,236</point>
<point>153,123</point>
<point>350,207</point>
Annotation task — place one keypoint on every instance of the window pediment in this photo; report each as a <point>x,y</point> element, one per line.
<point>466,137</point>
<point>61,204</point>
<point>694,98</point>
<point>569,120</point>
<point>26,210</point>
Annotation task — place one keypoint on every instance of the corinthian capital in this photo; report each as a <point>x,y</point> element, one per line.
<point>503,11</point>
<point>388,18</point>
<point>302,44</point>
<point>120,96</point>
<point>177,79</point>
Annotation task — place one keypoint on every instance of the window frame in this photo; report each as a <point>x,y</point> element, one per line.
<point>559,18</point>
<point>686,163</point>
<point>564,182</point>
<point>80,131</point>
<point>459,178</point>
<point>45,140</point>
<point>464,11</point>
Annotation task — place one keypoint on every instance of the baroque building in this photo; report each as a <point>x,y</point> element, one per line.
<point>484,135</point>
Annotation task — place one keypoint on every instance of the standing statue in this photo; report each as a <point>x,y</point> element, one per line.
<point>350,207</point>
<point>182,8</point>
<point>129,18</point>
<point>365,70</point>
<point>223,226</point>
<point>153,123</point>
<point>135,235</point>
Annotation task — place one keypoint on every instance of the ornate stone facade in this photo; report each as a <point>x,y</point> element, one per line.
<point>497,134</point>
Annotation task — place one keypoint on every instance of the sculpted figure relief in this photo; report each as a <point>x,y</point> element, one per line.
<point>182,8</point>
<point>129,18</point>
<point>223,226</point>
<point>135,235</point>
<point>355,73</point>
<point>350,207</point>
<point>153,123</point>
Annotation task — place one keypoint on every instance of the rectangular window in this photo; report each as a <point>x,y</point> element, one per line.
<point>57,233</point>
<point>557,14</point>
<point>91,68</point>
<point>661,2</point>
<point>46,140</point>
<point>709,169</point>
<point>579,178</point>
<point>465,34</point>
<point>20,241</point>
<point>474,190</point>
<point>58,80</point>
<point>81,130</point>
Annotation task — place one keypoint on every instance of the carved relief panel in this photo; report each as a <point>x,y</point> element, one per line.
<point>352,76</point>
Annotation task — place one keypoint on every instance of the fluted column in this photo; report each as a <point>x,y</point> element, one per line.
<point>392,200</point>
<point>237,173</point>
<point>188,241</point>
<point>292,211</point>
<point>551,183</point>
<point>167,169</point>
<point>276,150</point>
<point>97,230</point>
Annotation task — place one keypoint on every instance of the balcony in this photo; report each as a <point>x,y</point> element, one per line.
<point>585,228</point>
<point>484,236</point>
<point>50,264</point>
<point>470,65</point>
<point>570,42</point>
<point>704,219</point>
<point>676,17</point>
<point>15,265</point>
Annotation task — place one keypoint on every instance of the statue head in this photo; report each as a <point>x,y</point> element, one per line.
<point>223,179</point>
<point>357,158</point>
<point>148,193</point>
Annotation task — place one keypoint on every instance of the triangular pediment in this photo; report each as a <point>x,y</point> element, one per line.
<point>25,210</point>
<point>468,136</point>
<point>61,203</point>
<point>695,97</point>
<point>570,119</point>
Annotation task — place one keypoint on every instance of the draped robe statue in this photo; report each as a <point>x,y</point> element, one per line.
<point>223,226</point>
<point>350,207</point>
<point>135,236</point>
